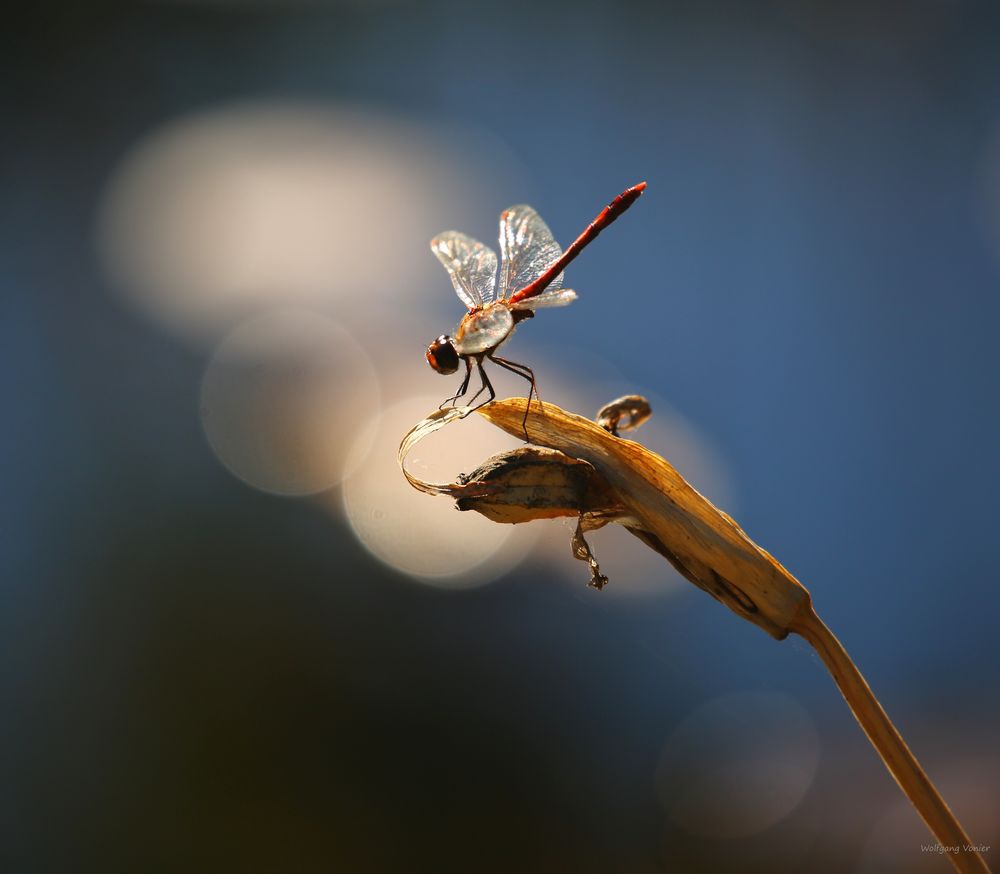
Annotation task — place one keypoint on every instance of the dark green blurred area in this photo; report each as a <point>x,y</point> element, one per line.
<point>200,677</point>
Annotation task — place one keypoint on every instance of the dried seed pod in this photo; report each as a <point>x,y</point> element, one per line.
<point>535,483</point>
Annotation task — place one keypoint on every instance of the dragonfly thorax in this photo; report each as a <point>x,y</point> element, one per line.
<point>484,329</point>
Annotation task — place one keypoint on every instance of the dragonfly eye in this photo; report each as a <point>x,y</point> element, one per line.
<point>442,355</point>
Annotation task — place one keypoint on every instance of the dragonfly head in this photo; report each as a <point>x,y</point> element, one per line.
<point>442,355</point>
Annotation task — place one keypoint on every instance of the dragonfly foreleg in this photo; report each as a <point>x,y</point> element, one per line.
<point>463,389</point>
<point>486,386</point>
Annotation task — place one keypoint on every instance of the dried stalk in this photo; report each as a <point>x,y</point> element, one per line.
<point>587,471</point>
<point>888,742</point>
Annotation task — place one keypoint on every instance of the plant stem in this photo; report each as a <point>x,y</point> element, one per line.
<point>888,743</point>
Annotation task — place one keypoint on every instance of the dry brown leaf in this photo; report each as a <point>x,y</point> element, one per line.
<point>701,541</point>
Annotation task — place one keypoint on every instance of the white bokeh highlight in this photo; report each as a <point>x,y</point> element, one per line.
<point>251,205</point>
<point>422,536</point>
<point>738,765</point>
<point>283,399</point>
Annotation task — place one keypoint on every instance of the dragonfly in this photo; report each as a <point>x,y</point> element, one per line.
<point>530,277</point>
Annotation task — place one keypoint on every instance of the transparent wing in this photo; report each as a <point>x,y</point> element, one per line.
<point>471,265</point>
<point>527,247</point>
<point>548,298</point>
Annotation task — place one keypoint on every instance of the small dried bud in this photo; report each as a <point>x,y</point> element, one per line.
<point>624,414</point>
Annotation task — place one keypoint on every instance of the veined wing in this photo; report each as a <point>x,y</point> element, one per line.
<point>548,298</point>
<point>471,265</point>
<point>527,247</point>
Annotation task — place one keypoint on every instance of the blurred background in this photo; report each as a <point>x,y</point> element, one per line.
<point>234,640</point>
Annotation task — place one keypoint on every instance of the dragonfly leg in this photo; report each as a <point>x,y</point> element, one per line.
<point>463,389</point>
<point>472,400</point>
<point>524,372</point>
<point>486,386</point>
